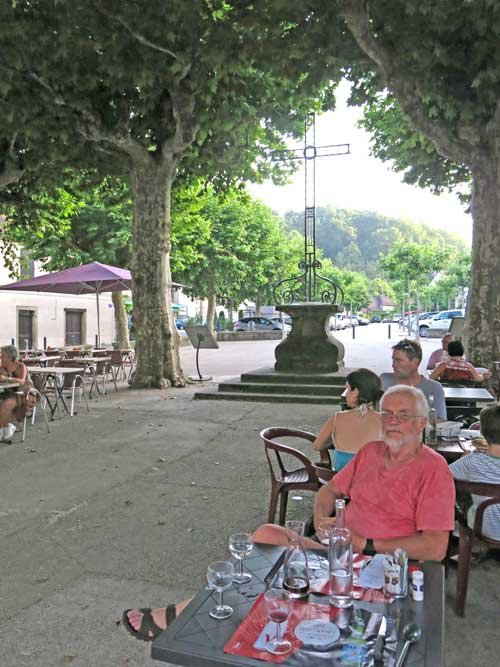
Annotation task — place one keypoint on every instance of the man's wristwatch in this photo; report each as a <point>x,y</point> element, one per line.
<point>369,549</point>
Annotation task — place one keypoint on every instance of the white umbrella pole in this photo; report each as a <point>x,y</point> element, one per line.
<point>98,320</point>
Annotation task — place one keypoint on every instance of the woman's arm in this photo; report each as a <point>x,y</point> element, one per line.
<point>436,373</point>
<point>21,374</point>
<point>324,439</point>
<point>476,375</point>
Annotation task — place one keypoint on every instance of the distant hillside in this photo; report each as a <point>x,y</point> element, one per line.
<point>355,239</point>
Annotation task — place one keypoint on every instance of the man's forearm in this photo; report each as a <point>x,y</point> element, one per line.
<point>430,545</point>
<point>324,503</point>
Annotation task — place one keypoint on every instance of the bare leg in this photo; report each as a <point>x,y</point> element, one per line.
<point>268,533</point>
<point>7,407</point>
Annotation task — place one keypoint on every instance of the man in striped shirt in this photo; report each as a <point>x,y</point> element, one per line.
<point>484,467</point>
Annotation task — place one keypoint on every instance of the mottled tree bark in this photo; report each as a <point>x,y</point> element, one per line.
<point>121,320</point>
<point>211,312</point>
<point>257,305</point>
<point>482,333</point>
<point>157,352</point>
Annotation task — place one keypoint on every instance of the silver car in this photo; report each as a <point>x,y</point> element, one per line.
<point>257,324</point>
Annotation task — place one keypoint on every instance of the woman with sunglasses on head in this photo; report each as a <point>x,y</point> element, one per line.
<point>349,430</point>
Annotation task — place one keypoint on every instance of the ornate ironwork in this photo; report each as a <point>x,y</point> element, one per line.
<point>309,285</point>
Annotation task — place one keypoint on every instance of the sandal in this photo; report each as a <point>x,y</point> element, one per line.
<point>148,630</point>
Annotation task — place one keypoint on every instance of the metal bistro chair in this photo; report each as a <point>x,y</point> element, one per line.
<point>470,536</point>
<point>283,480</point>
<point>117,367</point>
<point>70,383</point>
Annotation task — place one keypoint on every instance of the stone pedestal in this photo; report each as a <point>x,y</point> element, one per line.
<point>310,346</point>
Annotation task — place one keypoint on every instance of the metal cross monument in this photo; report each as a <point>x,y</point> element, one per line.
<point>305,287</point>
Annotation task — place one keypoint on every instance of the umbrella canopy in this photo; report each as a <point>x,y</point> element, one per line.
<point>85,279</point>
<point>91,278</point>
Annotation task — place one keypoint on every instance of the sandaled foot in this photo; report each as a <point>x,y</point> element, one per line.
<point>146,623</point>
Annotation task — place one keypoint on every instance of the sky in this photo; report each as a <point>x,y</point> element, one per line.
<point>361,182</point>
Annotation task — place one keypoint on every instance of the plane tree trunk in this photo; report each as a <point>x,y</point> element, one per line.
<point>157,352</point>
<point>121,320</point>
<point>482,332</point>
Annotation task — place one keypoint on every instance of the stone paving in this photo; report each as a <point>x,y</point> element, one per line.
<point>126,505</point>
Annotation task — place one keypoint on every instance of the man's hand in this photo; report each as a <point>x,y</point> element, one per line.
<point>358,542</point>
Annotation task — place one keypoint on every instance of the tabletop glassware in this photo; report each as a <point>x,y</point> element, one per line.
<point>220,575</point>
<point>277,604</point>
<point>240,546</point>
<point>325,527</point>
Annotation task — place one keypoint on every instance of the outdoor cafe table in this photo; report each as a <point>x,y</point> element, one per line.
<point>57,373</point>
<point>91,362</point>
<point>4,386</point>
<point>196,640</point>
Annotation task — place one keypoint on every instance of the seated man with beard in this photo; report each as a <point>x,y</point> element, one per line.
<point>401,492</point>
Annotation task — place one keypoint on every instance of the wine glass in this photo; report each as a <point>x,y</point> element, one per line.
<point>220,577</point>
<point>277,605</point>
<point>241,545</point>
<point>323,531</point>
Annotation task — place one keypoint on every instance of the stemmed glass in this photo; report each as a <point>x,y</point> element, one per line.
<point>277,605</point>
<point>241,545</point>
<point>220,577</point>
<point>325,527</point>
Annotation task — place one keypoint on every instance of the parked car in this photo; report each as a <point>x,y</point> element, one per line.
<point>287,323</point>
<point>375,318</point>
<point>181,323</point>
<point>362,321</point>
<point>423,317</point>
<point>441,321</point>
<point>340,321</point>
<point>257,324</point>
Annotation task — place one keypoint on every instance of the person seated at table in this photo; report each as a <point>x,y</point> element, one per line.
<point>13,372</point>
<point>483,467</point>
<point>441,354</point>
<point>401,495</point>
<point>348,431</point>
<point>455,367</point>
<point>401,492</point>
<point>406,358</point>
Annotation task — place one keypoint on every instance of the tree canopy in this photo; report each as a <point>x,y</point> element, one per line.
<point>440,63</point>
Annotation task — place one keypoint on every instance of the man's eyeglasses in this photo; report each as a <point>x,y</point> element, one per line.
<point>387,415</point>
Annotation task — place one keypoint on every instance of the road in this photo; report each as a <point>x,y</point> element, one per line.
<point>371,348</point>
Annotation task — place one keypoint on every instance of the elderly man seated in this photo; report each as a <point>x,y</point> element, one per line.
<point>401,492</point>
<point>441,354</point>
<point>401,495</point>
<point>406,358</point>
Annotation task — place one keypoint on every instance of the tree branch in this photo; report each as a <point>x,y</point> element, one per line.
<point>183,111</point>
<point>405,87</point>
<point>136,35</point>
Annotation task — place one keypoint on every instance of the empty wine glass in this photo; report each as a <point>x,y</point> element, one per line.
<point>323,531</point>
<point>277,604</point>
<point>241,545</point>
<point>220,577</point>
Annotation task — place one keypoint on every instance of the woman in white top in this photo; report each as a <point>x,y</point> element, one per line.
<point>349,430</point>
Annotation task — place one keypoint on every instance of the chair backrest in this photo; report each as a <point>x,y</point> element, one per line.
<point>69,363</point>
<point>100,367</point>
<point>492,492</point>
<point>69,378</point>
<point>116,357</point>
<point>70,354</point>
<point>280,450</point>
